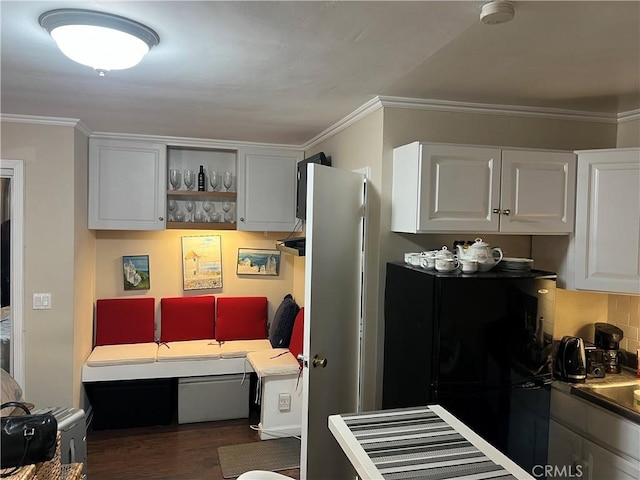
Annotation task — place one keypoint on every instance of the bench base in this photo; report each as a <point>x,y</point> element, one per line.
<point>206,399</point>
<point>132,403</point>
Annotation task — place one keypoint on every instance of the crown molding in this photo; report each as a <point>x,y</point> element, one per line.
<point>383,101</point>
<point>629,116</point>
<point>193,142</point>
<point>54,121</point>
<point>358,114</point>
<point>491,109</point>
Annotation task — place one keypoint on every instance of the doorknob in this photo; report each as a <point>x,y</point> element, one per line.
<point>506,211</point>
<point>319,362</point>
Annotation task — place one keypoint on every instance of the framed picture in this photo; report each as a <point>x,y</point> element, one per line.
<point>258,262</point>
<point>201,262</point>
<point>135,272</point>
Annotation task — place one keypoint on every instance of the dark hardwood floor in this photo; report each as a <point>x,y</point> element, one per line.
<point>167,452</point>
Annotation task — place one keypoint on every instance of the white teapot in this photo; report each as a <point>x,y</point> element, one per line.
<point>481,252</point>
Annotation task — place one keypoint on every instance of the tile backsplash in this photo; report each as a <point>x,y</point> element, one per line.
<point>623,311</point>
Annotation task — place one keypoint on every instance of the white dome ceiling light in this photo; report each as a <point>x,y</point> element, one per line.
<point>99,40</point>
<point>496,12</point>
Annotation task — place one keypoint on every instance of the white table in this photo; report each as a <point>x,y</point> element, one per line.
<point>412,443</point>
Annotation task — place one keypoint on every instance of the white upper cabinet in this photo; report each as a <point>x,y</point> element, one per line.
<point>456,188</point>
<point>606,246</point>
<point>267,182</point>
<point>126,185</point>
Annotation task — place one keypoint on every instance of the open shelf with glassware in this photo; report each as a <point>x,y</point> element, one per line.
<point>202,191</point>
<point>207,203</point>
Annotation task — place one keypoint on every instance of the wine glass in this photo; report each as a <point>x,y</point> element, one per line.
<point>179,215</point>
<point>227,180</point>
<point>215,217</point>
<point>171,206</point>
<point>174,178</point>
<point>206,206</point>
<point>214,180</point>
<point>190,205</point>
<point>228,217</point>
<point>199,216</point>
<point>188,179</point>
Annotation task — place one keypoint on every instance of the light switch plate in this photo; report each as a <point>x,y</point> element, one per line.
<point>41,301</point>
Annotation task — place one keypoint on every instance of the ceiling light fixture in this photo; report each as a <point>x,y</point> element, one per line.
<point>99,40</point>
<point>496,12</point>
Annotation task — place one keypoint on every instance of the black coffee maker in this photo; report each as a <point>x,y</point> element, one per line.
<point>607,338</point>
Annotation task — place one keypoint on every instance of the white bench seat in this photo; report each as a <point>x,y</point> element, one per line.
<point>189,350</point>
<point>127,354</point>
<point>278,361</point>
<point>240,348</point>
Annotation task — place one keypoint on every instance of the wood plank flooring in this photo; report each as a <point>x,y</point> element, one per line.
<point>167,452</point>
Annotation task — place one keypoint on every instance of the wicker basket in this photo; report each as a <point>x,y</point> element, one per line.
<point>72,471</point>
<point>52,469</point>
<point>27,472</point>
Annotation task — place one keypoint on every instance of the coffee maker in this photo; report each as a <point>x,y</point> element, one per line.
<point>607,338</point>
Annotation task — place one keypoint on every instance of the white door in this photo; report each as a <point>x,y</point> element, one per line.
<point>459,188</point>
<point>607,257</point>
<point>267,189</point>
<point>538,191</point>
<point>127,185</point>
<point>333,296</point>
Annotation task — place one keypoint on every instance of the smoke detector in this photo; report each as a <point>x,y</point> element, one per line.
<point>497,11</point>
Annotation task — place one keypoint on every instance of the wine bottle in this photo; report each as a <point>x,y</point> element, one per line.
<point>201,179</point>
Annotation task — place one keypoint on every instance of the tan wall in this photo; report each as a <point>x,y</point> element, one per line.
<point>51,189</point>
<point>165,265</point>
<point>84,273</point>
<point>624,312</point>
<point>360,146</point>
<point>628,134</point>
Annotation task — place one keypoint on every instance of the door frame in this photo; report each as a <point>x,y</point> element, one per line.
<point>14,169</point>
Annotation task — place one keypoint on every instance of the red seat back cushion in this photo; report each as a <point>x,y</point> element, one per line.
<point>125,320</point>
<point>187,318</point>
<point>295,347</point>
<point>241,318</point>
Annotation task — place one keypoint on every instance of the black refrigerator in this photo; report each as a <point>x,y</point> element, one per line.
<point>479,345</point>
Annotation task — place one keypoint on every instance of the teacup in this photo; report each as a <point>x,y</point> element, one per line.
<point>469,266</point>
<point>428,262</point>
<point>446,264</point>
<point>412,259</point>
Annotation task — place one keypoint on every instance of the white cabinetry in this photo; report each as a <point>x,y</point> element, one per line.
<point>267,189</point>
<point>586,441</point>
<point>453,188</point>
<point>126,185</point>
<point>607,239</point>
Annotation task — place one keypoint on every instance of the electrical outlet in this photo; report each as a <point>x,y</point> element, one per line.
<point>284,402</point>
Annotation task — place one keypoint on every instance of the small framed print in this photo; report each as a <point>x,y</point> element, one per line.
<point>135,271</point>
<point>258,262</point>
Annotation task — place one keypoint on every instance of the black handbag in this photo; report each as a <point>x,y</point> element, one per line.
<point>27,439</point>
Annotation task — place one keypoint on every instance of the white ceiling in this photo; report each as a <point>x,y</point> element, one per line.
<point>282,72</point>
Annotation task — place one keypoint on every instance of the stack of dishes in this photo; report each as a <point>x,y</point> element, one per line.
<point>510,264</point>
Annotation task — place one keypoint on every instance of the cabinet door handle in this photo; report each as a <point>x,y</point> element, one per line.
<point>496,210</point>
<point>161,219</point>
<point>506,211</point>
<point>242,219</point>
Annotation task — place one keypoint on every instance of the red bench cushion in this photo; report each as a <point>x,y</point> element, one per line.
<point>241,318</point>
<point>125,320</point>
<point>187,318</point>
<point>295,347</point>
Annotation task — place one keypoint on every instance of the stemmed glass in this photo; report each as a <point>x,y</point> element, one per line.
<point>171,206</point>
<point>179,215</point>
<point>228,216</point>
<point>227,180</point>
<point>174,178</point>
<point>188,179</point>
<point>190,205</point>
<point>206,206</point>
<point>214,180</point>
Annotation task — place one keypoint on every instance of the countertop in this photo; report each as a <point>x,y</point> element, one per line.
<point>593,388</point>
